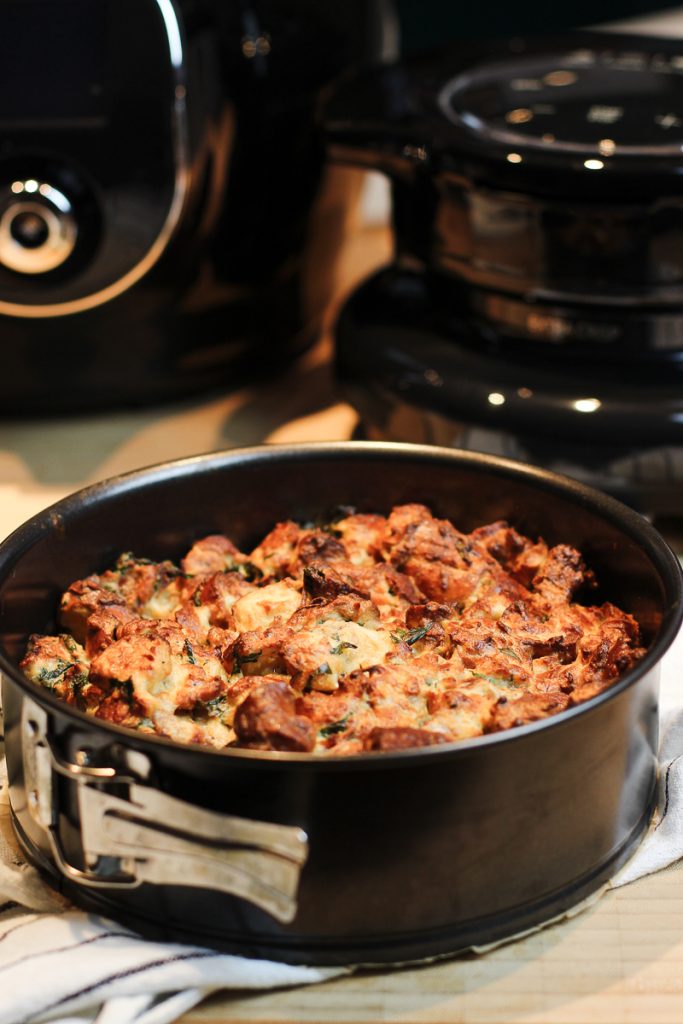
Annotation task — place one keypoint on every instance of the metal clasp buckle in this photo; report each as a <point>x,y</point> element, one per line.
<point>150,837</point>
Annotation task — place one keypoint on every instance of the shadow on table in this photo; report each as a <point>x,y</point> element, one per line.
<point>70,452</point>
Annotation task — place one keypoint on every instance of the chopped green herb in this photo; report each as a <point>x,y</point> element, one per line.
<point>216,706</point>
<point>496,680</point>
<point>69,643</point>
<point>189,651</point>
<point>344,645</point>
<point>78,681</point>
<point>246,659</point>
<point>398,635</point>
<point>334,727</point>
<point>197,598</point>
<point>510,653</point>
<point>49,676</point>
<point>418,634</point>
<point>248,570</point>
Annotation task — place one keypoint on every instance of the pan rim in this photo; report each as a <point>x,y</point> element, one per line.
<point>631,523</point>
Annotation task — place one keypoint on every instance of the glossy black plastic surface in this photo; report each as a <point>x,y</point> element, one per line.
<point>412,854</point>
<point>540,169</point>
<point>419,365</point>
<point>90,112</point>
<point>182,135</point>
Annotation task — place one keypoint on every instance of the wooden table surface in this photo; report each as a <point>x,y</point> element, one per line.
<point>619,962</point>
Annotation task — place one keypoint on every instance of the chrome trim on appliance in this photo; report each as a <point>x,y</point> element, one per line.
<point>174,36</point>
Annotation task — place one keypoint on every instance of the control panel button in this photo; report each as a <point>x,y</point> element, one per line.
<point>30,229</point>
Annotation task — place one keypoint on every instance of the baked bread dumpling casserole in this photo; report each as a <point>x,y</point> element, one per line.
<point>370,633</point>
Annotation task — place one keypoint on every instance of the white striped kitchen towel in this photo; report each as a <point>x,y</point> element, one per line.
<point>60,964</point>
<point>54,966</point>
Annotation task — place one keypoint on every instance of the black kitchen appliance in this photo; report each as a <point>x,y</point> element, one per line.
<point>535,304</point>
<point>159,175</point>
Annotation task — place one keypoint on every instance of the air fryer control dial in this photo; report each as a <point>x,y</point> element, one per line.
<point>38,229</point>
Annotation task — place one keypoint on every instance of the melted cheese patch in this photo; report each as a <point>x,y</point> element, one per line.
<point>260,608</point>
<point>334,648</point>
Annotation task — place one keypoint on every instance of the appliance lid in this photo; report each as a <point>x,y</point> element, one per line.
<point>591,101</point>
<point>580,114</point>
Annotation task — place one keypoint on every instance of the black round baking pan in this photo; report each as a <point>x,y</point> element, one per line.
<point>373,858</point>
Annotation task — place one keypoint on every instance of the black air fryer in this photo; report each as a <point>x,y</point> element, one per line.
<point>535,304</point>
<point>159,172</point>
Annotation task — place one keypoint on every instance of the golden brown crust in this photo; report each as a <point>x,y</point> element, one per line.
<point>401,738</point>
<point>212,554</point>
<point>267,720</point>
<point>373,633</point>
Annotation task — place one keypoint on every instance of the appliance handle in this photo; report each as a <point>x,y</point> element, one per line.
<point>138,834</point>
<point>371,120</point>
